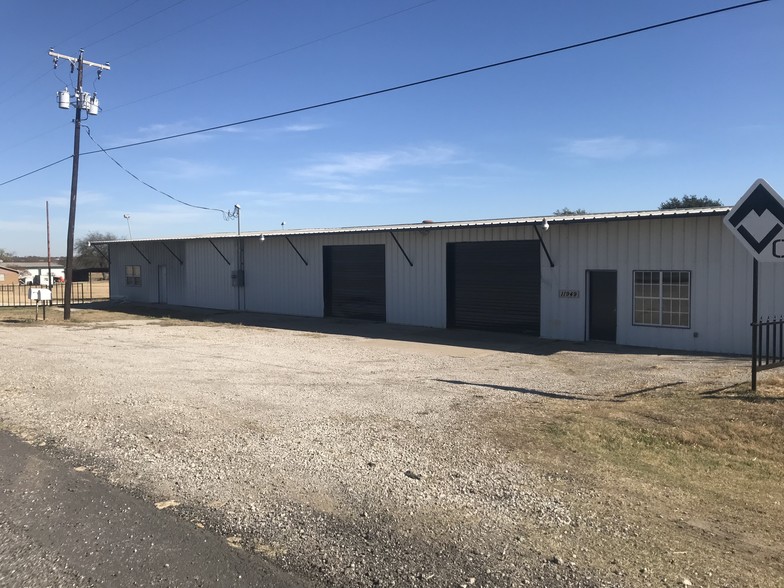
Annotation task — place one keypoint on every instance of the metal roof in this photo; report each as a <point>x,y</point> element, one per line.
<point>428,225</point>
<point>25,265</point>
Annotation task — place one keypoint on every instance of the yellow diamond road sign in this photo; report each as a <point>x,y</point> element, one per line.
<point>757,220</point>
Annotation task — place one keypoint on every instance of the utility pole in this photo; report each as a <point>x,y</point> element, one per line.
<point>48,248</point>
<point>82,101</point>
<point>48,258</point>
<point>240,259</point>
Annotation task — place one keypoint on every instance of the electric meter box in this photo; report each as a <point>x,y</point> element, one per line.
<point>238,278</point>
<point>39,294</point>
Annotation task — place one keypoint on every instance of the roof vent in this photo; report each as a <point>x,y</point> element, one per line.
<point>427,222</point>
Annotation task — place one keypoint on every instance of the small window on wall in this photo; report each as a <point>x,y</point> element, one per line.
<point>133,275</point>
<point>662,298</point>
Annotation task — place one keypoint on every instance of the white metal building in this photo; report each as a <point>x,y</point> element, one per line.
<point>674,279</point>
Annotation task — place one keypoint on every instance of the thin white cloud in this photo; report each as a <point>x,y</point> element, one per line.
<point>235,130</point>
<point>244,194</point>
<point>402,187</point>
<point>278,198</point>
<point>20,226</point>
<point>613,148</point>
<point>358,164</point>
<point>303,128</point>
<point>183,169</point>
<point>60,201</point>
<point>158,130</point>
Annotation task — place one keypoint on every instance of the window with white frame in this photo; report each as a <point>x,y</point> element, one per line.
<point>662,298</point>
<point>133,275</point>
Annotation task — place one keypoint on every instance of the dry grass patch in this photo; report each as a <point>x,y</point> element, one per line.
<point>25,316</point>
<point>696,473</point>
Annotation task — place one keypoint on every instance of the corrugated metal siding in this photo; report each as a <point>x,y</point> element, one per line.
<point>123,254</point>
<point>277,281</point>
<point>208,276</point>
<point>720,280</point>
<point>416,294</point>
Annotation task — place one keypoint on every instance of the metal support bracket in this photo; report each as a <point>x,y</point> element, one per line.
<point>140,253</point>
<point>173,253</point>
<point>297,250</point>
<point>219,252</point>
<point>403,251</point>
<point>98,249</point>
<point>547,253</point>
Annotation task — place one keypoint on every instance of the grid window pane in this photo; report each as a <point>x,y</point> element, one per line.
<point>133,275</point>
<point>662,298</point>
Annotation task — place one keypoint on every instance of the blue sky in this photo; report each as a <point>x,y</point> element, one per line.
<point>695,108</point>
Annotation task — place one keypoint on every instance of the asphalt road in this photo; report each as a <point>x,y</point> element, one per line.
<point>62,527</point>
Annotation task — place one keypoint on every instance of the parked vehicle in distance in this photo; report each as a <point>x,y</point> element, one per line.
<point>28,278</point>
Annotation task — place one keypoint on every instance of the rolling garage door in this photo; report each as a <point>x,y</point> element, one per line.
<point>494,286</point>
<point>355,282</point>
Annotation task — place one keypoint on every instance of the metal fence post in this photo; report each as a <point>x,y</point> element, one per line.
<point>754,325</point>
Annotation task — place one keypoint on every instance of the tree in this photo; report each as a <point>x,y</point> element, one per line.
<point>692,201</point>
<point>85,255</point>
<point>6,255</point>
<point>569,212</point>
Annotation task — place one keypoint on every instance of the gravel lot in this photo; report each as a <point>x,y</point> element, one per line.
<point>353,457</point>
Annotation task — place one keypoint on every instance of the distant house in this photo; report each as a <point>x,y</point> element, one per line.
<point>8,276</point>
<point>37,272</point>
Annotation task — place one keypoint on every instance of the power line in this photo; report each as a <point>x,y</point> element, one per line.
<point>413,84</point>
<point>96,23</point>
<point>116,12</point>
<point>7,97</point>
<point>36,170</point>
<point>441,77</point>
<point>178,31</point>
<point>130,26</point>
<point>33,138</point>
<point>226,215</point>
<point>275,54</point>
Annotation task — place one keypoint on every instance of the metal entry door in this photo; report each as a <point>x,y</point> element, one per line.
<point>163,289</point>
<point>602,305</point>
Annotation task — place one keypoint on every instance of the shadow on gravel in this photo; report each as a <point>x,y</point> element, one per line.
<point>560,395</point>
<point>743,394</point>
<point>651,389</point>
<point>495,341</point>
<point>542,393</point>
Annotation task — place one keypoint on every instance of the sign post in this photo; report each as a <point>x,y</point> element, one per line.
<point>39,294</point>
<point>757,221</point>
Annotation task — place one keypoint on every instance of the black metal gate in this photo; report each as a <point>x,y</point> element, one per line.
<point>13,295</point>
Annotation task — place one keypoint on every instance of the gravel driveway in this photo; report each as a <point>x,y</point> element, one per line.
<point>352,457</point>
